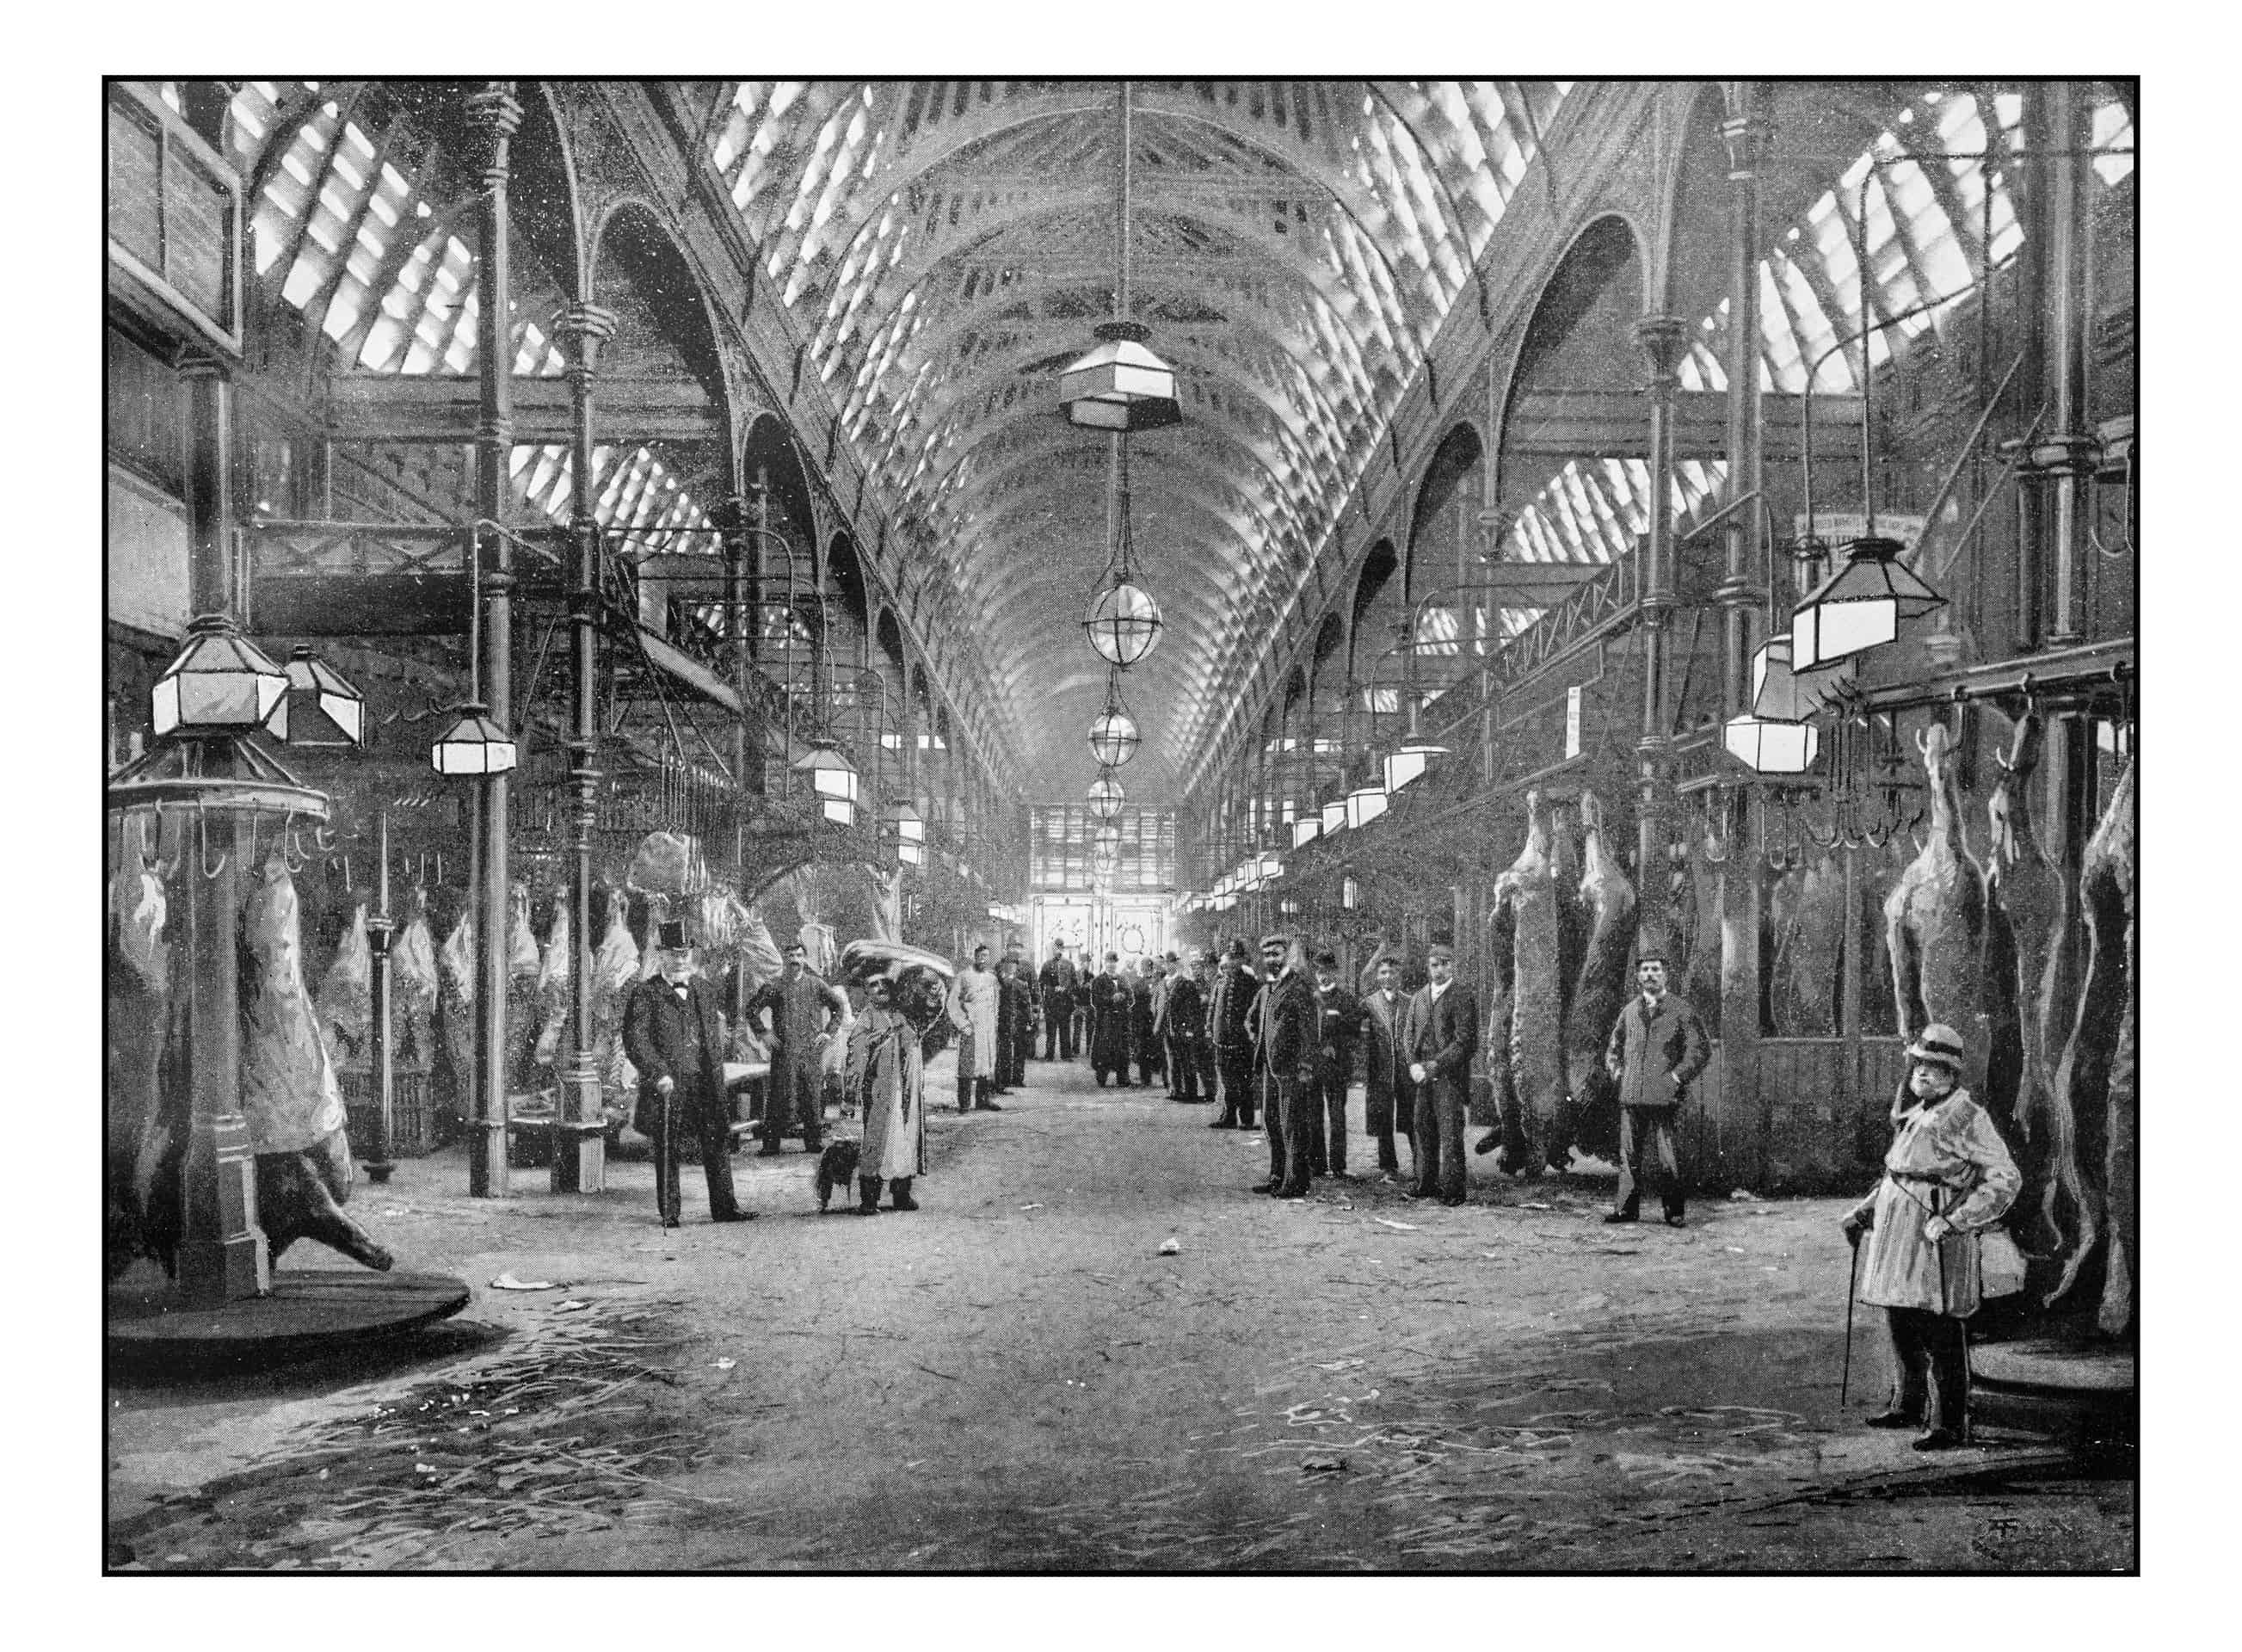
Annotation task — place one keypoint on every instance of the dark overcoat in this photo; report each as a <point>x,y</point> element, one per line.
<point>1655,1053</point>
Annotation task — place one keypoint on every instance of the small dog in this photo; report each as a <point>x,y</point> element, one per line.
<point>836,1169</point>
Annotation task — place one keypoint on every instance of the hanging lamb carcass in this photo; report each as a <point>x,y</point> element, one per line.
<point>523,963</point>
<point>1701,974</point>
<point>455,1000</point>
<point>414,987</point>
<point>614,971</point>
<point>1600,990</point>
<point>145,1137</point>
<point>345,1000</point>
<point>555,971</point>
<point>290,1100</point>
<point>1935,917</point>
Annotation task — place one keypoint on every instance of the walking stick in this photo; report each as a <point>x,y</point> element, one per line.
<point>1852,1279</point>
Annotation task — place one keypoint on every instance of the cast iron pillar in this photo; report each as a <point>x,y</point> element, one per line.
<point>580,1143</point>
<point>495,113</point>
<point>1661,337</point>
<point>222,1255</point>
<point>380,927</point>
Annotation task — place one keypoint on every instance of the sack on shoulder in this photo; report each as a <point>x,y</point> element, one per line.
<point>2000,1263</point>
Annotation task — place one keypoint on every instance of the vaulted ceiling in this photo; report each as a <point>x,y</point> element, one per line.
<point>947,246</point>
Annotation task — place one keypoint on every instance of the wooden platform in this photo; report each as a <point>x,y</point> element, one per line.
<point>2045,1365</point>
<point>308,1313</point>
<point>2076,1391</point>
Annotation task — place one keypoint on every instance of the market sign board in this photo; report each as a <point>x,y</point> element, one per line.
<point>174,221</point>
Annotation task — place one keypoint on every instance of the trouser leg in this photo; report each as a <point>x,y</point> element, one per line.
<point>1910,1351</point>
<point>665,1197</point>
<point>1377,1124</point>
<point>1332,1092</point>
<point>1270,1098</point>
<point>714,1126</point>
<point>1666,1159</point>
<point>778,1100</point>
<point>1632,1124</point>
<point>1946,1340</point>
<point>1425,1142</point>
<point>810,1106</point>
<point>1248,1089</point>
<point>1297,1097</point>
<point>964,1078</point>
<point>1449,1108</point>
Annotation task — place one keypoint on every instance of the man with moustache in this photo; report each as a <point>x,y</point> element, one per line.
<point>1438,1038</point>
<point>671,1035</point>
<point>1230,1034</point>
<point>1389,1100</point>
<point>1284,1047</point>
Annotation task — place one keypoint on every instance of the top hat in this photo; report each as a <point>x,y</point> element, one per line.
<point>669,935</point>
<point>1939,1044</point>
<point>1235,950</point>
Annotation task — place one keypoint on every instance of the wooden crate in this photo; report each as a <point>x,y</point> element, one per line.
<point>411,1112</point>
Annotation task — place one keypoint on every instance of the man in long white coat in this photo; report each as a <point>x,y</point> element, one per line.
<point>886,1075</point>
<point>975,997</point>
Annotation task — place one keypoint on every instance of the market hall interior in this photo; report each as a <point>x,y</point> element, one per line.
<point>1510,532</point>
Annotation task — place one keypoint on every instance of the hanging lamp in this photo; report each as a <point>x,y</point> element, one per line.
<point>1113,735</point>
<point>1104,797</point>
<point>1121,387</point>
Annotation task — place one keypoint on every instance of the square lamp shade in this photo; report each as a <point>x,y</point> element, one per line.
<point>833,777</point>
<point>472,743</point>
<point>1365,804</point>
<point>324,708</point>
<point>1271,867</point>
<point>1859,607</point>
<point>1307,830</point>
<point>911,854</point>
<point>1335,817</point>
<point>1789,696</point>
<point>221,683</point>
<point>1406,765</point>
<point>1120,385</point>
<point>904,819</point>
<point>1770,746</point>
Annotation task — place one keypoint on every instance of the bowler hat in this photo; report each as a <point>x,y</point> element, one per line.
<point>1278,941</point>
<point>1939,1044</point>
<point>1327,961</point>
<point>669,935</point>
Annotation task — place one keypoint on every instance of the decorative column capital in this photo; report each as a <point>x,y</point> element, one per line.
<point>1662,338</point>
<point>1748,135</point>
<point>495,110</point>
<point>584,328</point>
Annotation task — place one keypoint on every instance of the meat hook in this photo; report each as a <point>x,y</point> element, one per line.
<point>323,840</point>
<point>202,845</point>
<point>285,843</point>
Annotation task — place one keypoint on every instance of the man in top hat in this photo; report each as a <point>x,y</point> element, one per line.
<point>671,1035</point>
<point>1111,1003</point>
<point>1055,985</point>
<point>1657,1046</point>
<point>1016,1022</point>
<point>975,998</point>
<point>1229,1036</point>
<point>1284,1047</point>
<point>806,1010</point>
<point>1438,1038</point>
<point>1144,1021</point>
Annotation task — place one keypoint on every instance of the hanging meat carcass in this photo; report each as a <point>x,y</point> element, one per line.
<point>146,1135</point>
<point>1574,917</point>
<point>522,967</point>
<point>759,959</point>
<point>2027,904</point>
<point>2097,1079</point>
<point>346,1001</point>
<point>1935,918</point>
<point>1810,941</point>
<point>413,986</point>
<point>614,971</point>
<point>555,970</point>
<point>289,1101</point>
<point>1528,892</point>
<point>455,1002</point>
<point>1700,975</point>
<point>1600,991</point>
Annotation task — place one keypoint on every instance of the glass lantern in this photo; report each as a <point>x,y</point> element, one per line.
<point>1104,797</point>
<point>1121,622</point>
<point>221,683</point>
<point>324,708</point>
<point>1113,736</point>
<point>1120,383</point>
<point>1859,607</point>
<point>473,744</point>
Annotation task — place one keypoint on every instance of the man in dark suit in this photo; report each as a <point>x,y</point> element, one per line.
<point>671,1035</point>
<point>1438,1038</point>
<point>806,1010</point>
<point>1285,1055</point>
<point>1339,1025</point>
<point>1657,1046</point>
<point>1056,986</point>
<point>1387,1100</point>
<point>1112,1003</point>
<point>1183,1022</point>
<point>1230,1034</point>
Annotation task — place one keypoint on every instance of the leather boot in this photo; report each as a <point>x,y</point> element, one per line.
<point>867,1196</point>
<point>901,1187</point>
<point>982,1091</point>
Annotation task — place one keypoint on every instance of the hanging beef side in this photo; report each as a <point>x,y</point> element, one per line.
<point>1935,917</point>
<point>289,1097</point>
<point>555,970</point>
<point>1600,991</point>
<point>2097,1078</point>
<point>346,1002</point>
<point>1537,1017</point>
<point>2027,907</point>
<point>614,971</point>
<point>413,986</point>
<point>1701,976</point>
<point>455,1002</point>
<point>1807,958</point>
<point>523,963</point>
<point>145,1136</point>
